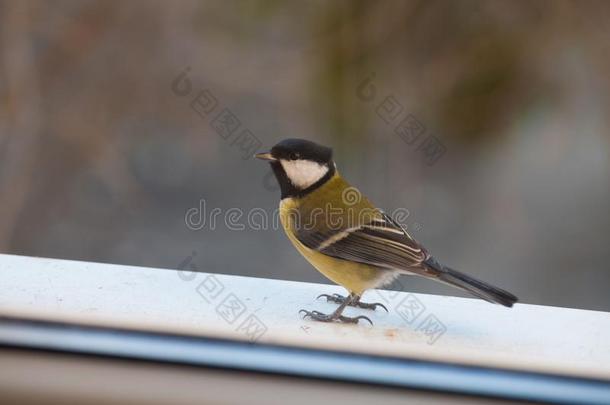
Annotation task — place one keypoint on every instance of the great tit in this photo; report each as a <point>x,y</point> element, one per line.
<point>345,237</point>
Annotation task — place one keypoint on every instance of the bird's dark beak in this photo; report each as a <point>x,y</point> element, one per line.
<point>265,156</point>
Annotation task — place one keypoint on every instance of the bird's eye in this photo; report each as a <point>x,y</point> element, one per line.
<point>293,156</point>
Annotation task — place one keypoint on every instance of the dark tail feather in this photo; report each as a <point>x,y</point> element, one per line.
<point>473,286</point>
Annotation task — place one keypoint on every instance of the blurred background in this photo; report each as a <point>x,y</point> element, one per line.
<point>486,122</point>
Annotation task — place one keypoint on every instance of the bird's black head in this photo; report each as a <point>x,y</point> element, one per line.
<point>300,166</point>
<point>302,149</point>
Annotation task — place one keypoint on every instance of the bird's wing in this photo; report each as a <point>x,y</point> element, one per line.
<point>381,242</point>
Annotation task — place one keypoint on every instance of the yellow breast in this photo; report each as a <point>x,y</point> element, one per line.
<point>355,277</point>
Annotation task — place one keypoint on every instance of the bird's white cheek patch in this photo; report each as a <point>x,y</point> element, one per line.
<point>303,173</point>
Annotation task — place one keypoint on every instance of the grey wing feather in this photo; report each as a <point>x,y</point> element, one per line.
<point>382,243</point>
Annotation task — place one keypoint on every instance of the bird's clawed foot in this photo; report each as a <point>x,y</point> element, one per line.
<point>339,299</point>
<point>319,316</point>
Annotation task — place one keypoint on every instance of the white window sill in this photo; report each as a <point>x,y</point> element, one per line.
<point>529,338</point>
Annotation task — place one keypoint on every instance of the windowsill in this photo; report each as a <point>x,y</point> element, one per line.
<point>527,337</point>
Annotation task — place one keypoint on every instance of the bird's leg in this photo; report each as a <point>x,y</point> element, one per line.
<point>336,315</point>
<point>337,298</point>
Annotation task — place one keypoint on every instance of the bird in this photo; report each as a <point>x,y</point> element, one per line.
<point>348,239</point>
